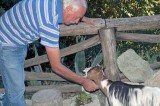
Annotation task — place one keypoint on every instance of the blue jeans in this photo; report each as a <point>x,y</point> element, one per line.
<point>12,70</point>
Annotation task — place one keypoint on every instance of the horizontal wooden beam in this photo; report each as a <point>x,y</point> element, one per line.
<point>81,29</point>
<point>63,88</point>
<point>138,37</point>
<point>66,51</point>
<point>121,24</point>
<point>42,76</point>
<point>135,23</point>
<point>95,41</point>
<point>55,77</point>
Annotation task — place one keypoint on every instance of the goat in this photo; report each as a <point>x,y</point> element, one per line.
<point>122,94</point>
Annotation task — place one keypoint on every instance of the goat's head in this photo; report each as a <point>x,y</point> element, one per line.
<point>95,73</point>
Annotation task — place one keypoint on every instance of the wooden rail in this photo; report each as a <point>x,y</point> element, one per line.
<point>93,42</point>
<point>63,88</point>
<point>66,51</point>
<point>120,24</point>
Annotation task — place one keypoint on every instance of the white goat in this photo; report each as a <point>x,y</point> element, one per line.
<point>122,94</point>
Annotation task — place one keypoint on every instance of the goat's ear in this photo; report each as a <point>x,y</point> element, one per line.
<point>86,70</point>
<point>102,67</point>
<point>98,65</point>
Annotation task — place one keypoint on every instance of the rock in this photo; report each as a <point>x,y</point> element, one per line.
<point>47,97</point>
<point>70,101</point>
<point>154,80</point>
<point>134,67</point>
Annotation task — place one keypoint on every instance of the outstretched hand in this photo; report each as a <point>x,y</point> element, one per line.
<point>89,85</point>
<point>90,20</point>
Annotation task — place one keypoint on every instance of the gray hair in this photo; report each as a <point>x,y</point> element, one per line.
<point>74,2</point>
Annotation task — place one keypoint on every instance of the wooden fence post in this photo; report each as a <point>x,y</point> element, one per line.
<point>108,42</point>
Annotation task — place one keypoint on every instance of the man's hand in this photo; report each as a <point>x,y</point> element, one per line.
<point>89,85</point>
<point>90,20</point>
<point>57,67</point>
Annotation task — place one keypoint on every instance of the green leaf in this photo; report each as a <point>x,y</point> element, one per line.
<point>97,60</point>
<point>80,61</point>
<point>1,11</point>
<point>76,68</point>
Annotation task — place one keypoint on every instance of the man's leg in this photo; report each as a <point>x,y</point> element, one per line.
<point>12,70</point>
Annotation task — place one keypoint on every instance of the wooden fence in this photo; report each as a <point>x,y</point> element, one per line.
<point>106,32</point>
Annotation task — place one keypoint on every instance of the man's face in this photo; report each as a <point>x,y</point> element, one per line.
<point>73,17</point>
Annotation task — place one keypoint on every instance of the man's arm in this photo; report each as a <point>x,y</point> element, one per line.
<point>57,67</point>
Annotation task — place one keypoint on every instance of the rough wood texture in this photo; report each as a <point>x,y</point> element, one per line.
<point>81,29</point>
<point>138,37</point>
<point>42,76</point>
<point>135,23</point>
<point>95,41</point>
<point>121,24</point>
<point>108,42</point>
<point>48,97</point>
<point>66,51</point>
<point>62,88</point>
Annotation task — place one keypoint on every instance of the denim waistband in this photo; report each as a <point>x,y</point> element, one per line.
<point>11,46</point>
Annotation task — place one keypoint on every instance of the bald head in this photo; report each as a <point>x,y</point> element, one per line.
<point>73,10</point>
<point>75,3</point>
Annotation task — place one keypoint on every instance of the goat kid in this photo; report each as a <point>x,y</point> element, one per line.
<point>123,94</point>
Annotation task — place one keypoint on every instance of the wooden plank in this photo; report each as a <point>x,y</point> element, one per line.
<point>63,88</point>
<point>42,76</point>
<point>66,51</point>
<point>81,29</point>
<point>135,23</point>
<point>138,37</point>
<point>121,24</point>
<point>108,42</point>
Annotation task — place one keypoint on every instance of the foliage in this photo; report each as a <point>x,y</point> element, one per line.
<point>1,10</point>
<point>129,8</point>
<point>8,3</point>
<point>122,8</point>
<point>81,65</point>
<point>98,59</point>
<point>83,98</point>
<point>80,60</point>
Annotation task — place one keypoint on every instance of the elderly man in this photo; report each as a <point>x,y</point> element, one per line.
<point>27,21</point>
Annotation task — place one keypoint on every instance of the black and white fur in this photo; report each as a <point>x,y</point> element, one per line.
<point>123,94</point>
